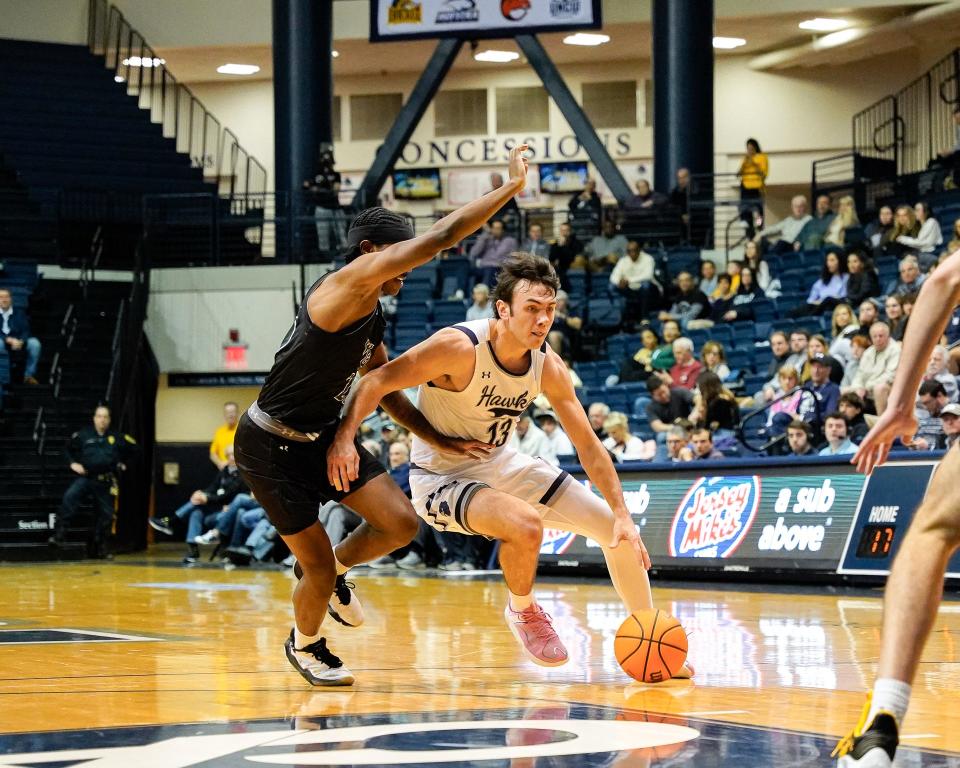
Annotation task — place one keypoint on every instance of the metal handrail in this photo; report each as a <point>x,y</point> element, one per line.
<point>766,407</point>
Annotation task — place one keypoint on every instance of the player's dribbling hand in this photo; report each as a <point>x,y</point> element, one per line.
<point>343,464</point>
<point>517,168</point>
<point>475,449</point>
<point>624,530</point>
<point>876,445</point>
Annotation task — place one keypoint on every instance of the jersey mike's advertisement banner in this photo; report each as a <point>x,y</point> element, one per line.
<point>735,521</point>
<point>411,19</point>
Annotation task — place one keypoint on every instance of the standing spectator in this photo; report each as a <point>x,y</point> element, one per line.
<point>691,308</point>
<point>667,405</point>
<point>798,438</point>
<point>950,417</point>
<point>938,370</point>
<point>877,367</point>
<point>328,216</point>
<point>927,240</point>
<point>851,406</point>
<point>835,431</point>
<point>678,196</point>
<point>482,306</point>
<point>535,243</point>
<point>714,407</point>
<point>845,219</point>
<point>586,204</point>
<point>95,454</point>
<point>662,357</point>
<point>597,414</point>
<point>490,249</point>
<point>560,444</point>
<point>910,278</point>
<point>703,448</point>
<point>677,445</point>
<point>623,445</point>
<point>565,252</point>
<point>633,277</point>
<point>686,367</point>
<point>858,345</point>
<point>708,276</point>
<point>829,289</point>
<point>15,333</point>
<point>564,334</point>
<point>753,171</point>
<point>753,259</point>
<point>876,231</point>
<point>813,232</point>
<point>714,360</point>
<point>530,440</point>
<point>863,282</point>
<point>784,234</point>
<point>896,318</point>
<point>905,224</point>
<point>223,437</point>
<point>933,399</point>
<point>842,327</point>
<point>605,249</point>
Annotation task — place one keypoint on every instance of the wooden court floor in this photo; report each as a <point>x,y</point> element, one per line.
<point>96,656</point>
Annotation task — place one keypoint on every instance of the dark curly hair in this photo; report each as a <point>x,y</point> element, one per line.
<point>376,217</point>
<point>523,266</point>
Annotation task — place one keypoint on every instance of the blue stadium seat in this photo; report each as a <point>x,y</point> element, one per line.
<point>604,313</point>
<point>722,333</point>
<point>621,345</point>
<point>741,359</point>
<point>449,312</point>
<point>577,280</point>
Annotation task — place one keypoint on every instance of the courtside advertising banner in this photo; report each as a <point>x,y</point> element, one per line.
<point>411,19</point>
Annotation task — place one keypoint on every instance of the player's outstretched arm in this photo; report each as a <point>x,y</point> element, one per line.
<point>939,295</point>
<point>402,257</point>
<point>594,458</point>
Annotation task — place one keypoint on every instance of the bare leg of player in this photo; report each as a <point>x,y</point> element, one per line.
<point>517,526</point>
<point>389,522</point>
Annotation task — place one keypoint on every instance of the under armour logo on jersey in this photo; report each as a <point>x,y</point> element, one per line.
<point>485,375</point>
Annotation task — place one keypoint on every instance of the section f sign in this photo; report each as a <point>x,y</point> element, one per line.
<point>475,19</point>
<point>715,516</point>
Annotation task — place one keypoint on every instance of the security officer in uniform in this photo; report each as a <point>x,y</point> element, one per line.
<point>95,454</point>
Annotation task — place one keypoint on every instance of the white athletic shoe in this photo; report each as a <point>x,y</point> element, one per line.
<point>869,745</point>
<point>206,539</point>
<point>344,606</point>
<point>317,664</point>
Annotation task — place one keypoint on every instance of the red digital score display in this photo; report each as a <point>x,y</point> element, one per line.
<point>876,541</point>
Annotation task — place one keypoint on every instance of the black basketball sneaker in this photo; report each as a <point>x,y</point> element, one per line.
<point>869,745</point>
<point>317,664</point>
<point>344,607</point>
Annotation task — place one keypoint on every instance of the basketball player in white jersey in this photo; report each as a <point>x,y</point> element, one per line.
<point>476,379</point>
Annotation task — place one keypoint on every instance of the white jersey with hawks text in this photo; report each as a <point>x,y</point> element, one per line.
<point>488,409</point>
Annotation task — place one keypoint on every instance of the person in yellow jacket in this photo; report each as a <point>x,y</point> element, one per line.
<point>753,177</point>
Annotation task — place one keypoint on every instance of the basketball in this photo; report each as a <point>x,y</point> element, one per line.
<point>650,646</point>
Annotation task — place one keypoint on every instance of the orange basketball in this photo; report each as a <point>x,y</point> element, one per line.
<point>651,646</point>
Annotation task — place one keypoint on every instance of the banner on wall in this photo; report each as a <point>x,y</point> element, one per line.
<point>413,19</point>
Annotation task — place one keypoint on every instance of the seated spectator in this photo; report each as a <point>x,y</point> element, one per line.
<point>896,318</point>
<point>938,370</point>
<point>623,445</point>
<point>933,399</point>
<point>799,341</point>
<point>714,360</point>
<point>560,444</point>
<point>703,448</point>
<point>905,224</point>
<point>225,524</point>
<point>876,230</point>
<point>910,278</point>
<point>667,405</point>
<point>813,232</point>
<point>586,203</point>
<point>799,436</point>
<point>829,289</point>
<point>253,537</point>
<point>858,345</point>
<point>398,465</point>
<point>826,391</point>
<point>784,234</point>
<point>690,307</point>
<point>950,418</point>
<point>678,448</point>
<point>835,431</point>
<point>535,243</point>
<point>862,282</point>
<point>640,365</point>
<point>645,199</point>
<point>753,259</point>
<point>851,406</point>
<point>845,219</point>
<point>790,394</point>
<point>733,269</point>
<point>492,247</point>
<point>954,244</point>
<point>686,367</point>
<point>843,326</point>
<point>566,252</point>
<point>722,298</point>
<point>739,306</point>
<point>605,249</point>
<point>662,357</point>
<point>678,195</point>
<point>817,348</point>
<point>708,276</point>
<point>715,406</point>
<point>779,354</point>
<point>597,414</point>
<point>877,367</point>
<point>868,314</point>
<point>15,333</point>
<point>928,238</point>
<point>565,332</point>
<point>223,437</point>
<point>633,276</point>
<point>530,440</point>
<point>482,307</point>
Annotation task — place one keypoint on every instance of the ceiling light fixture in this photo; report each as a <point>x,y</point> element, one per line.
<point>117,79</point>
<point>586,38</point>
<point>335,54</point>
<point>499,57</point>
<point>838,38</point>
<point>238,69</point>
<point>727,43</point>
<point>146,61</point>
<point>824,25</point>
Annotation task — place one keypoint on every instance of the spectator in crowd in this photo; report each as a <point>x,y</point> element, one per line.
<point>954,243</point>
<point>779,355</point>
<point>597,414</point>
<point>876,231</point>
<point>896,318</point>
<point>863,282</point>
<point>586,203</point>
<point>910,278</point>
<point>633,277</point>
<point>851,406</point>
<point>686,367</point>
<point>950,418</point>
<point>845,219</point>
<point>715,406</point>
<point>817,346</point>
<point>948,160</point>
<point>733,269</point>
<point>784,234</point>
<point>678,195</point>
<point>640,365</point>
<point>228,526</point>
<point>667,405</point>
<point>708,276</point>
<point>829,289</point>
<point>565,251</point>
<point>535,242</point>
<point>905,224</point>
<point>398,457</point>
<point>928,239</point>
<point>784,410</point>
<point>843,326</point>
<point>691,308</point>
<point>813,232</point>
<point>491,248</point>
<point>16,338</point>
<point>95,454</point>
<point>530,440</point>
<point>868,314</point>
<point>677,441</point>
<point>877,367</point>
<point>753,259</point>
<point>623,445</point>
<point>645,198</point>
<point>564,334</point>
<point>799,341</point>
<point>938,370</point>
<point>739,306</point>
<point>835,431</point>
<point>482,307</point>
<point>714,359</point>
<point>933,399</point>
<point>509,214</point>
<point>858,345</point>
<point>722,297</point>
<point>662,357</point>
<point>703,448</point>
<point>826,393</point>
<point>560,444</point>
<point>605,249</point>
<point>223,437</point>
<point>799,436</point>
<point>753,171</point>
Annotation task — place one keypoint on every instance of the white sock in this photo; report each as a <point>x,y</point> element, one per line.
<point>300,640</point>
<point>341,568</point>
<point>520,602</point>
<point>890,695</point>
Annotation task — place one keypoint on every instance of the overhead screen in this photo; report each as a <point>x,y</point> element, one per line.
<point>411,19</point>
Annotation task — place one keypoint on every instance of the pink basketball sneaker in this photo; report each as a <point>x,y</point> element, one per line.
<point>533,630</point>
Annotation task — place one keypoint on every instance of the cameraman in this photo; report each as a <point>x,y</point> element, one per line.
<point>325,190</point>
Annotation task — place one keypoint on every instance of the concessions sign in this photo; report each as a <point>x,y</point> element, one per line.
<point>412,19</point>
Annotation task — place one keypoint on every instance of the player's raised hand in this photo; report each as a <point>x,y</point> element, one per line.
<point>517,168</point>
<point>475,449</point>
<point>875,447</point>
<point>343,463</point>
<point>625,530</point>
